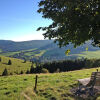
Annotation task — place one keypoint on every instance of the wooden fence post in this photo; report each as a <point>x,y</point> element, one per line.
<point>35,88</point>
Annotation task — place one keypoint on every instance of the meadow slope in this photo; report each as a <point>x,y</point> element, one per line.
<point>16,67</point>
<point>50,86</point>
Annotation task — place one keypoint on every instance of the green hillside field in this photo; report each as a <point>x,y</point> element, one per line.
<point>16,67</point>
<point>50,86</point>
<point>89,54</point>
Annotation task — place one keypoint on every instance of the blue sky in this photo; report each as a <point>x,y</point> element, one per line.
<point>19,20</point>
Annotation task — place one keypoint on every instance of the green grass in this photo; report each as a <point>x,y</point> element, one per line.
<point>29,53</point>
<point>89,54</point>
<point>35,54</point>
<point>40,54</point>
<point>10,53</point>
<point>29,50</point>
<point>50,86</point>
<point>17,52</point>
<point>16,66</point>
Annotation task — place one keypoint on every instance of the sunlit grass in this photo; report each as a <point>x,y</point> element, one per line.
<point>50,86</point>
<point>41,53</point>
<point>89,54</point>
<point>16,67</point>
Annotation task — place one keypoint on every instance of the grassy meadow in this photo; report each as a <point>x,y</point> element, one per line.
<point>89,54</point>
<point>50,86</point>
<point>16,67</point>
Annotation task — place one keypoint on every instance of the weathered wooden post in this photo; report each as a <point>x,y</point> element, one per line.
<point>35,88</point>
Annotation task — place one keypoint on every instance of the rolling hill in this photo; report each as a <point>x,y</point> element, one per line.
<point>46,50</point>
<point>16,67</point>
<point>20,87</point>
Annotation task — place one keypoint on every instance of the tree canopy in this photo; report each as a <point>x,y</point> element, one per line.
<point>74,21</point>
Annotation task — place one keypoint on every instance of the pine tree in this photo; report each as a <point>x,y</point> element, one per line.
<point>9,62</point>
<point>21,72</point>
<point>32,69</point>
<point>24,60</point>
<point>5,72</point>
<point>27,72</point>
<point>0,59</point>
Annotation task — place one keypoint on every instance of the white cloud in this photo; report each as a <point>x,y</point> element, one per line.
<point>30,36</point>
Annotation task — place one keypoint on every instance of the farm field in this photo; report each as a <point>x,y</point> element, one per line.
<point>50,86</point>
<point>89,54</point>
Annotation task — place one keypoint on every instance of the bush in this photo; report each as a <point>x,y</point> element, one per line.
<point>5,72</point>
<point>21,72</point>
<point>44,70</point>
<point>9,62</point>
<point>0,59</point>
<point>11,73</point>
<point>27,72</point>
<point>24,61</point>
<point>32,69</point>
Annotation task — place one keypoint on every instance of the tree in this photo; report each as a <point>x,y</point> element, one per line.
<point>74,21</point>
<point>0,59</point>
<point>9,62</point>
<point>24,60</point>
<point>5,72</point>
<point>21,72</point>
<point>27,72</point>
<point>32,69</point>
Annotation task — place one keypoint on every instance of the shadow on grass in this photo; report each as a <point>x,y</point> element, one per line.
<point>5,63</point>
<point>89,98</point>
<point>85,96</point>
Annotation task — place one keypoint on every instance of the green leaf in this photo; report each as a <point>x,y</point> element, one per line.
<point>86,48</point>
<point>67,52</point>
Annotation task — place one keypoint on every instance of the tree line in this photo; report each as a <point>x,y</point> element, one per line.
<point>59,66</point>
<point>70,65</point>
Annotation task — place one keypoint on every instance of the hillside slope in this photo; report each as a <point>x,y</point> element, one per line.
<point>16,67</point>
<point>45,50</point>
<point>8,46</point>
<point>49,87</point>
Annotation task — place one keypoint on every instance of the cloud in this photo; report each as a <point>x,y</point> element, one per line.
<point>30,36</point>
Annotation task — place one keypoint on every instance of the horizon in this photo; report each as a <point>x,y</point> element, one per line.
<point>19,20</point>
<point>26,40</point>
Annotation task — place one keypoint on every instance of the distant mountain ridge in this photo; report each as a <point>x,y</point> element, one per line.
<point>42,49</point>
<point>7,45</point>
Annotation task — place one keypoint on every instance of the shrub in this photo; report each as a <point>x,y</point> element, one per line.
<point>0,59</point>
<point>11,73</point>
<point>21,72</point>
<point>5,72</point>
<point>27,72</point>
<point>9,62</point>
<point>44,70</point>
<point>32,69</point>
<point>24,61</point>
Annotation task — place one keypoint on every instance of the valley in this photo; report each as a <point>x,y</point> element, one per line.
<point>57,72</point>
<point>46,50</point>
